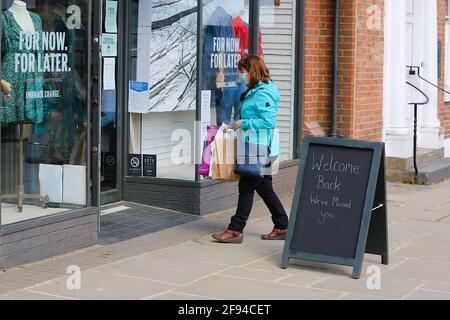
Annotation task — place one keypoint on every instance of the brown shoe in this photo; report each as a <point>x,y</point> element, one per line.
<point>229,236</point>
<point>276,234</point>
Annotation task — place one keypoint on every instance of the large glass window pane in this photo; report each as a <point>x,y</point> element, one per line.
<point>225,33</point>
<point>225,42</point>
<point>43,109</point>
<point>163,57</point>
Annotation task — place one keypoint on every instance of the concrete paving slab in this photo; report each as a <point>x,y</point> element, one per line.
<point>252,274</point>
<point>226,254</point>
<point>426,252</point>
<point>178,296</point>
<point>418,227</point>
<point>394,246</point>
<point>363,297</point>
<point>436,286</point>
<point>228,288</point>
<point>390,286</point>
<point>434,239</point>
<point>29,295</point>
<point>421,270</point>
<point>397,234</point>
<point>428,295</point>
<point>304,279</point>
<point>103,286</point>
<point>170,270</point>
<point>273,263</point>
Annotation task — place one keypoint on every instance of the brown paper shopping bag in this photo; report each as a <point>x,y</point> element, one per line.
<point>223,161</point>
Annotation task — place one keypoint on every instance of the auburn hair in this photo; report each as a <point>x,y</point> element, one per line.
<point>256,68</point>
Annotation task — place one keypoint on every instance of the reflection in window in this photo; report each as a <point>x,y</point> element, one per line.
<point>164,54</point>
<point>225,42</point>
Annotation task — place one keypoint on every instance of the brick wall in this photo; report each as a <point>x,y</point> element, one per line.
<point>361,55</point>
<point>347,79</point>
<point>318,73</point>
<point>444,108</point>
<point>48,240</point>
<point>368,71</point>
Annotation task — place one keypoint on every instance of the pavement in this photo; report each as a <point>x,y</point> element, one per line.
<point>181,262</point>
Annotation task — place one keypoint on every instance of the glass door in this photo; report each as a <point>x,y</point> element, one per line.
<point>111,103</point>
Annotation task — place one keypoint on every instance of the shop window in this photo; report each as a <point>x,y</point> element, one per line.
<point>163,57</point>
<point>43,111</point>
<point>225,42</point>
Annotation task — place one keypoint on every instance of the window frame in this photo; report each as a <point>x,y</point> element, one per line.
<point>253,49</point>
<point>447,53</point>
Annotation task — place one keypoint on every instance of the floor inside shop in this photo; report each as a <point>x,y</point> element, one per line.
<point>11,215</point>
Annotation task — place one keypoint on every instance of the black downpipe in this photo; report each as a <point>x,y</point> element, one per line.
<point>336,68</point>
<point>299,79</point>
<point>254,27</point>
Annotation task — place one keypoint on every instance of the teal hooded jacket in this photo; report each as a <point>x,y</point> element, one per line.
<point>259,116</point>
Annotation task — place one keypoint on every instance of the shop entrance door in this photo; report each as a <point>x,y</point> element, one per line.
<point>111,90</point>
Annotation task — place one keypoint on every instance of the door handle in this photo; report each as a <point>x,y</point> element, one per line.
<point>94,150</point>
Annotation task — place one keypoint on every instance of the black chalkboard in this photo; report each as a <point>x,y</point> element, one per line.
<point>338,183</point>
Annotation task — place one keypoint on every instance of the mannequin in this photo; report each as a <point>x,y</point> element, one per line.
<point>22,16</point>
<point>241,31</point>
<point>17,108</point>
<point>244,15</point>
<point>6,88</point>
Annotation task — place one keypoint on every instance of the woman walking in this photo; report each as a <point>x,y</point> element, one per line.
<point>259,107</point>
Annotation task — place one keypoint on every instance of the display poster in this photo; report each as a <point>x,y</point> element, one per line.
<point>111,17</point>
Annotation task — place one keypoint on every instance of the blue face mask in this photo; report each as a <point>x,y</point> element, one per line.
<point>243,78</point>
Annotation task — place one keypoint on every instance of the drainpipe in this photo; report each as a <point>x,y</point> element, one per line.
<point>336,69</point>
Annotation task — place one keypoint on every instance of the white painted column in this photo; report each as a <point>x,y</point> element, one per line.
<point>397,132</point>
<point>430,131</point>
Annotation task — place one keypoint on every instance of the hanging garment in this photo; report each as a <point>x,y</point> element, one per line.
<point>241,31</point>
<point>18,108</point>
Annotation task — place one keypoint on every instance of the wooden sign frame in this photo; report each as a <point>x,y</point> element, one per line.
<point>373,231</point>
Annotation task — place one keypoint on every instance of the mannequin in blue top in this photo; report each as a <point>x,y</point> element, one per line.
<point>259,107</point>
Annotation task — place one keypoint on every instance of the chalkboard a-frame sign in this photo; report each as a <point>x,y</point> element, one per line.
<point>339,209</point>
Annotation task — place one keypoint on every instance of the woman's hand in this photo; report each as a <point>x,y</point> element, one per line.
<point>237,125</point>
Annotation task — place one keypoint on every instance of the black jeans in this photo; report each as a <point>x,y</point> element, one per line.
<point>247,187</point>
